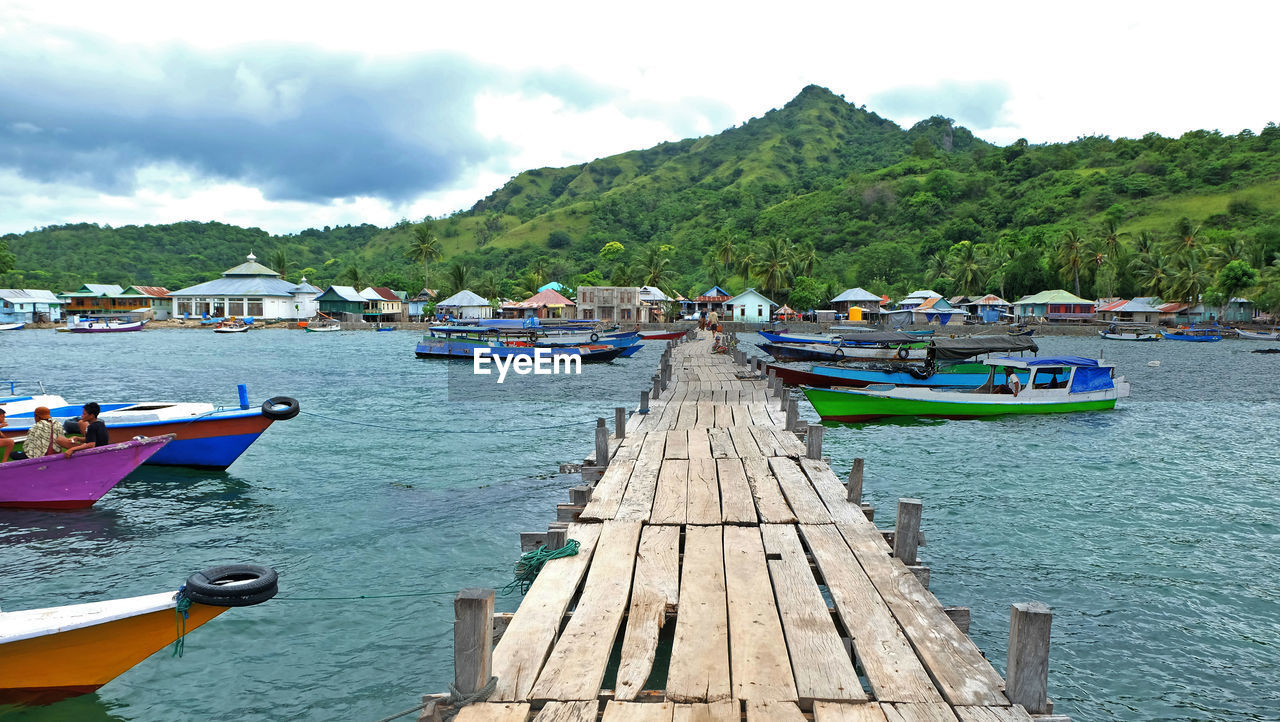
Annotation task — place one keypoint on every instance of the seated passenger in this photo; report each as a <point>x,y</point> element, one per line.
<point>95,431</point>
<point>42,437</point>
<point>6,444</point>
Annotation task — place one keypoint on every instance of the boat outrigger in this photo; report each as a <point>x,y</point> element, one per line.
<point>1055,385</point>
<point>51,654</point>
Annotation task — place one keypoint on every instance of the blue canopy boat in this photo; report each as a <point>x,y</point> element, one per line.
<point>463,342</point>
<point>1203,335</point>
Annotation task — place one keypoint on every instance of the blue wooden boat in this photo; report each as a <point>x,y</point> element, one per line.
<point>631,350</point>
<point>1202,335</point>
<point>965,375</point>
<point>861,338</point>
<point>462,342</point>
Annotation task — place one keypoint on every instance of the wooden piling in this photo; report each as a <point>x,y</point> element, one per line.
<point>1027,675</point>
<point>813,442</point>
<point>793,412</point>
<point>644,402</point>
<point>557,538</point>
<point>854,487</point>
<point>906,531</point>
<point>620,422</point>
<point>602,443</point>
<point>472,639</point>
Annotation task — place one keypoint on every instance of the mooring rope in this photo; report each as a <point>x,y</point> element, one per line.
<point>456,701</point>
<point>435,430</point>
<point>531,562</point>
<point>180,611</point>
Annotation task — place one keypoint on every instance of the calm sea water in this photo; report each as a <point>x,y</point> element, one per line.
<point>1152,530</point>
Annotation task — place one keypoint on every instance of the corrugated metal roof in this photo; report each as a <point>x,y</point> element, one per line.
<point>250,268</point>
<point>463,298</point>
<point>157,291</point>
<point>29,295</point>
<point>1113,306</point>
<point>239,286</point>
<point>95,290</point>
<point>924,294</point>
<point>1057,295</point>
<point>751,291</point>
<point>856,294</point>
<point>990,300</point>
<point>343,293</point>
<point>549,297</point>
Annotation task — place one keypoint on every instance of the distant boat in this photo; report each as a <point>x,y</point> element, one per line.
<point>825,352</point>
<point>1259,335</point>
<point>323,325</point>
<point>1057,385</point>
<point>232,327</point>
<point>59,482</point>
<point>1202,335</point>
<point>1118,332</point>
<point>463,342</point>
<point>662,335</point>
<point>51,654</point>
<point>1022,332</point>
<point>11,326</point>
<point>106,326</point>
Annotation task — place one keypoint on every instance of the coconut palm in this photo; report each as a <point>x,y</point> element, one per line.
<point>726,251</point>
<point>1191,277</point>
<point>654,265</point>
<point>539,269</point>
<point>424,248</point>
<point>936,267</point>
<point>804,259</point>
<point>353,277</point>
<point>1071,256</point>
<point>1186,237</point>
<point>965,267</point>
<point>488,285</point>
<point>746,261</point>
<point>998,261</point>
<point>279,261</point>
<point>773,265</point>
<point>458,277</point>
<point>1154,273</point>
<point>714,270</point>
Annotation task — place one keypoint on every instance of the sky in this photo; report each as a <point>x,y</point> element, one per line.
<point>287,116</point>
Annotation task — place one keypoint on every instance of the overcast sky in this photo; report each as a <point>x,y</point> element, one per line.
<point>294,115</point>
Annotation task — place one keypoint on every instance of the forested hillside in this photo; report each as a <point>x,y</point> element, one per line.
<point>802,202</point>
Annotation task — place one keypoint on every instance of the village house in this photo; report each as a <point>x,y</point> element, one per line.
<point>547,303</point>
<point>382,304</point>
<point>248,290</point>
<point>616,304</point>
<point>341,302</point>
<point>1139,310</point>
<point>1055,305</point>
<point>935,308</point>
<point>465,304</point>
<point>917,298</point>
<point>29,305</point>
<point>153,298</point>
<point>857,304</point>
<point>989,309</point>
<point>713,299</point>
<point>750,306</point>
<point>418,304</point>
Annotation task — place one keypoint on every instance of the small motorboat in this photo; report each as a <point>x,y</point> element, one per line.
<point>1259,335</point>
<point>662,335</point>
<point>109,325</point>
<point>464,342</point>
<point>12,326</point>
<point>51,654</point>
<point>1022,332</point>
<point>912,351</point>
<point>232,326</point>
<point>1124,332</point>
<point>323,325</point>
<point>1200,335</point>
<point>57,481</point>
<point>1056,385</point>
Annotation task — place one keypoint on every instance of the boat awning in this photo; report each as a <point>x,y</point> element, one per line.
<point>1043,361</point>
<point>961,348</point>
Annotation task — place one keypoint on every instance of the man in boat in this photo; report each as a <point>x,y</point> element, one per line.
<point>42,436</point>
<point>6,444</point>
<point>1012,382</point>
<point>95,431</point>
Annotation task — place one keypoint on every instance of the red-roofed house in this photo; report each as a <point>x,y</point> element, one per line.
<point>548,303</point>
<point>155,298</point>
<point>382,304</point>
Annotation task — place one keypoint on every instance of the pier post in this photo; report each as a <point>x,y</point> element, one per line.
<point>644,402</point>
<point>854,486</point>
<point>557,538</point>
<point>472,639</point>
<point>906,531</point>
<point>602,443</point>
<point>813,442</point>
<point>1027,676</point>
<point>793,411</point>
<point>620,422</point>
<point>657,386</point>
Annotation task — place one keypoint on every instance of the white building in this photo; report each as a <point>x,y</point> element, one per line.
<point>250,289</point>
<point>750,306</point>
<point>465,304</point>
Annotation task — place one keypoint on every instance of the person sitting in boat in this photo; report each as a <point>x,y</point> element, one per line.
<point>1013,383</point>
<point>6,444</point>
<point>95,431</point>
<point>42,436</point>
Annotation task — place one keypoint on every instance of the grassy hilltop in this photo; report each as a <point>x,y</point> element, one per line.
<point>812,197</point>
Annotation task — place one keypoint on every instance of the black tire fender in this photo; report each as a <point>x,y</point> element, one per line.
<point>533,337</point>
<point>232,585</point>
<point>839,352</point>
<point>903,353</point>
<point>594,337</point>
<point>271,408</point>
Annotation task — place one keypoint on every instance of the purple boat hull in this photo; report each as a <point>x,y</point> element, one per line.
<point>56,482</point>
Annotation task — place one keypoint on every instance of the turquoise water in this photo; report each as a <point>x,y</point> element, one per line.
<point>1152,530</point>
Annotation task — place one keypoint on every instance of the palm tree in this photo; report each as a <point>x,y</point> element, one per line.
<point>1071,256</point>
<point>353,277</point>
<point>279,261</point>
<point>487,285</point>
<point>773,265</point>
<point>1187,236</point>
<point>726,251</point>
<point>804,259</point>
<point>746,260</point>
<point>714,270</point>
<point>936,267</point>
<point>654,265</point>
<point>1154,273</point>
<point>998,259</point>
<point>539,270</point>
<point>458,276</point>
<point>965,267</point>
<point>1191,276</point>
<point>424,247</point>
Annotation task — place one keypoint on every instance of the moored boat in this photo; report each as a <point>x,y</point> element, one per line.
<point>662,335</point>
<point>1127,332</point>
<point>1259,335</point>
<point>906,352</point>
<point>106,326</point>
<point>232,326</point>
<point>940,368</point>
<point>51,654</point>
<point>57,481</point>
<point>465,341</point>
<point>208,437</point>
<point>1056,385</point>
<point>1201,335</point>
<point>12,326</point>
<point>323,325</point>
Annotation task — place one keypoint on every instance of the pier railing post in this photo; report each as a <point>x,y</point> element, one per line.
<point>472,639</point>
<point>644,402</point>
<point>854,486</point>
<point>620,422</point>
<point>1027,675</point>
<point>657,386</point>
<point>793,412</point>
<point>813,442</point>
<point>602,443</point>
<point>906,531</point>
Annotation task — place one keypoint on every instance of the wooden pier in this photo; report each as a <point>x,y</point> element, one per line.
<point>726,573</point>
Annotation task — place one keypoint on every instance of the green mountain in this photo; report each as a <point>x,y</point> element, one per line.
<point>817,195</point>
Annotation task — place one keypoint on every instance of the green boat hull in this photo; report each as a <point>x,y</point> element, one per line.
<point>839,406</point>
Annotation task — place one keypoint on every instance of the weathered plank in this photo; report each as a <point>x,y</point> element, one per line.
<point>494,712</point>
<point>699,669</point>
<point>723,711</point>
<point>1016,713</point>
<point>576,666</point>
<point>767,441</point>
<point>744,442</point>
<point>677,444</point>
<point>761,668</point>
<point>737,505</point>
<point>843,712</point>
<point>822,668</point>
<point>637,500</point>
<point>608,493</point>
<point>917,712</point>
<point>617,711</point>
<point>770,504</point>
<point>886,657</point>
<point>706,413</point>
<point>801,497</point>
<point>654,592</point>
<point>787,441</point>
<point>519,655</point>
<point>724,416</point>
<point>721,444</point>
<point>584,711</point>
<point>699,444</point>
<point>773,711</point>
<point>672,494</point>
<point>704,493</point>
<point>688,416</point>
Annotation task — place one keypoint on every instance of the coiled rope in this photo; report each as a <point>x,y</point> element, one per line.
<point>531,562</point>
<point>180,612</point>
